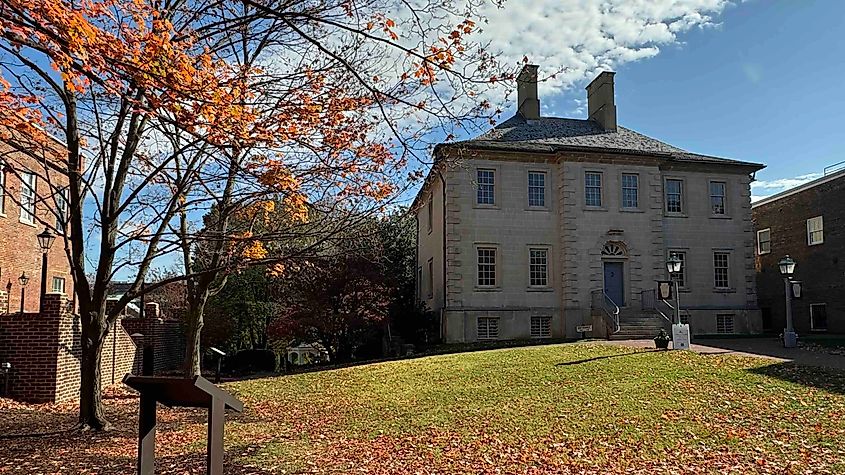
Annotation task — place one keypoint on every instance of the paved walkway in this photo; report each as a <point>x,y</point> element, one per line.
<point>770,348</point>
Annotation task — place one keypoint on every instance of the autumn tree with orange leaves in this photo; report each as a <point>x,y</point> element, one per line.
<point>159,111</point>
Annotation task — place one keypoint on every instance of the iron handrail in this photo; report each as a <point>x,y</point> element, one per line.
<point>608,311</point>
<point>650,303</point>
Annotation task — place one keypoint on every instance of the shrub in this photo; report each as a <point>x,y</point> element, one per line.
<point>253,361</point>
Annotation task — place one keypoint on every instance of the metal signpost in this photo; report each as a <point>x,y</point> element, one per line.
<point>180,392</point>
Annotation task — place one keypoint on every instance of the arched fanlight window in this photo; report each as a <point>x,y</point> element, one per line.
<point>613,249</point>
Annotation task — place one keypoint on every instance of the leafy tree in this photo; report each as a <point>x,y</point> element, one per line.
<point>339,302</point>
<point>167,109</point>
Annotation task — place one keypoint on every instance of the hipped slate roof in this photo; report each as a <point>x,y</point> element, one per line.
<point>552,134</point>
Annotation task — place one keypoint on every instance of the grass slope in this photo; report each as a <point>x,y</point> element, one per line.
<point>569,408</point>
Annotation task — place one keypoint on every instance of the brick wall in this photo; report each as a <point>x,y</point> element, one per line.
<point>820,267</point>
<point>19,249</point>
<point>166,337</point>
<point>45,349</point>
<point>29,344</point>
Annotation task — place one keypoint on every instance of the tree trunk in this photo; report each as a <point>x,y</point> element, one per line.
<point>91,415</point>
<point>193,355</point>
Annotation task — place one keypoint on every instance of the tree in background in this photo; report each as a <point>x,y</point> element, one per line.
<point>360,288</point>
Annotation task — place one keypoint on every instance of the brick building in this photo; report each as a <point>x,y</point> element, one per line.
<point>806,223</point>
<point>32,197</point>
<point>543,224</point>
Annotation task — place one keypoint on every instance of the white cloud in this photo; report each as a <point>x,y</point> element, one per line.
<point>585,36</point>
<point>764,188</point>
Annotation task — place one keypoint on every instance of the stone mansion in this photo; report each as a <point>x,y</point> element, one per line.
<point>520,228</point>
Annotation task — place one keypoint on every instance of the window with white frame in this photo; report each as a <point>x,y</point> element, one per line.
<point>682,276</point>
<point>2,187</point>
<point>674,196</point>
<point>58,285</point>
<point>717,197</point>
<point>818,316</point>
<point>541,326</point>
<point>28,197</point>
<point>430,278</point>
<point>538,267</point>
<point>725,323</point>
<point>488,328</point>
<point>537,189</point>
<point>592,188</point>
<point>815,231</point>
<point>764,241</point>
<point>721,270</point>
<point>486,194</point>
<point>61,209</point>
<point>630,190</point>
<point>486,266</point>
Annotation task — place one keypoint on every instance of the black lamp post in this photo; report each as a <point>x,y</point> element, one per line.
<point>673,265</point>
<point>45,240</point>
<point>23,279</point>
<point>787,268</point>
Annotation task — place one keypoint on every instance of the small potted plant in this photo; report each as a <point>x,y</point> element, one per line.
<point>661,341</point>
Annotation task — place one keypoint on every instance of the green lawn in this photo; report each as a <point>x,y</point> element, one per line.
<point>559,407</point>
<point>570,408</point>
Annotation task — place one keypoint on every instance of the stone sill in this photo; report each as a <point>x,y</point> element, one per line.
<point>631,210</point>
<point>724,291</point>
<point>487,289</point>
<point>539,289</point>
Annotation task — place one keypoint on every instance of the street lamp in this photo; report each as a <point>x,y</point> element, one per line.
<point>45,240</point>
<point>23,279</point>
<point>787,268</point>
<point>673,265</point>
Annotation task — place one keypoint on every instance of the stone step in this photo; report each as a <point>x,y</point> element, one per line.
<point>653,333</point>
<point>637,336</point>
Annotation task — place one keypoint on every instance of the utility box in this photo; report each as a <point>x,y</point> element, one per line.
<point>680,336</point>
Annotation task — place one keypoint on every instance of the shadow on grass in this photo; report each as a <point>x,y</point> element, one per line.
<point>597,358</point>
<point>828,379</point>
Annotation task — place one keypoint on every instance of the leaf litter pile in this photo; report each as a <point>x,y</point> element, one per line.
<point>567,409</point>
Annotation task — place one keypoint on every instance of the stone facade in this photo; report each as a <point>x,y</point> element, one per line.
<point>474,209</point>
<point>819,267</point>
<point>576,235</point>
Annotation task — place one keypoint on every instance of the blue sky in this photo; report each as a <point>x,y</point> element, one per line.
<point>759,80</point>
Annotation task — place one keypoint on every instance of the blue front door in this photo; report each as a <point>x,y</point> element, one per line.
<point>614,283</point>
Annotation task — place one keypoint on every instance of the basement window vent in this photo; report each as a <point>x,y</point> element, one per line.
<point>488,328</point>
<point>541,327</point>
<point>724,323</point>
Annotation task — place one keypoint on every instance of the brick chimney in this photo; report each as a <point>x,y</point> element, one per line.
<point>600,102</point>
<point>526,88</point>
